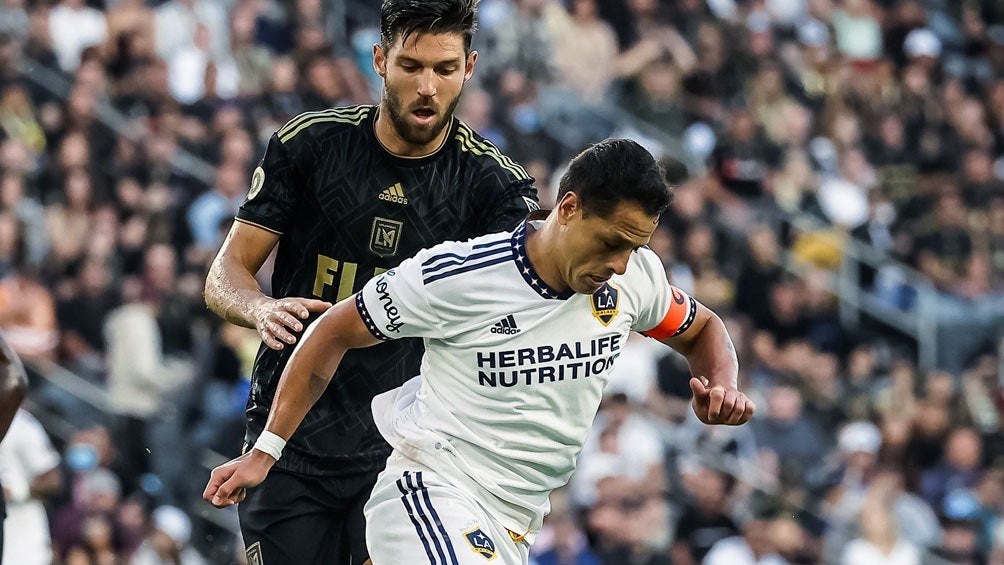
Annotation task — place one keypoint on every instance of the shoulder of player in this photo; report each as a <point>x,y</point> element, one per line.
<point>447,261</point>
<point>644,266</point>
<point>485,156</point>
<point>309,126</point>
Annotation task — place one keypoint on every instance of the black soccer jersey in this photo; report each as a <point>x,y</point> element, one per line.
<point>347,209</point>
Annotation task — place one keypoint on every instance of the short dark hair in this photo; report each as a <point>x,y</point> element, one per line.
<point>614,171</point>
<point>401,18</point>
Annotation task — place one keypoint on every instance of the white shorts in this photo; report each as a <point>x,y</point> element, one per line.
<point>414,516</point>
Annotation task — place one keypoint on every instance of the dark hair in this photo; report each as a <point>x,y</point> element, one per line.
<point>401,18</point>
<point>615,171</point>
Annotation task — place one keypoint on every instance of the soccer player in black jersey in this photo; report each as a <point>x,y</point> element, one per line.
<point>348,193</point>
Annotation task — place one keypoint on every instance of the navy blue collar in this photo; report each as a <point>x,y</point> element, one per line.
<point>526,268</point>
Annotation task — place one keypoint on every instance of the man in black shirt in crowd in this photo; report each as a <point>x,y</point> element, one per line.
<point>348,193</point>
<point>13,385</point>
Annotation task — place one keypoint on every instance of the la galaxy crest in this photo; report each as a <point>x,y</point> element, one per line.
<point>481,543</point>
<point>606,303</point>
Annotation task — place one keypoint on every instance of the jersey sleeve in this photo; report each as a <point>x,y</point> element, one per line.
<point>665,310</point>
<point>394,305</point>
<point>275,190</point>
<point>507,205</point>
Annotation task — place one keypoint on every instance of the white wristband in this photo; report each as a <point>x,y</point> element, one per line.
<point>270,444</point>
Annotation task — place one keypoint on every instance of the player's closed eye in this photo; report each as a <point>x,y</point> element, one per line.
<point>447,71</point>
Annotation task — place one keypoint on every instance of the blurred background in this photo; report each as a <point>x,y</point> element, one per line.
<point>841,206</point>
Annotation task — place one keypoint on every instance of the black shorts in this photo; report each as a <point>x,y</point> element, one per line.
<point>306,520</point>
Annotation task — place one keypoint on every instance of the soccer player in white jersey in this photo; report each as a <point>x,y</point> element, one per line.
<point>521,330</point>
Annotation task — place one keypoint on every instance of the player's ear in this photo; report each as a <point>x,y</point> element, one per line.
<point>380,60</point>
<point>472,58</point>
<point>568,207</point>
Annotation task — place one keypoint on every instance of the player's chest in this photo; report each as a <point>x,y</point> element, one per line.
<point>572,349</point>
<point>417,195</point>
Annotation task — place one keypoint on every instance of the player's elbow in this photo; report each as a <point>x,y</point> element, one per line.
<point>706,329</point>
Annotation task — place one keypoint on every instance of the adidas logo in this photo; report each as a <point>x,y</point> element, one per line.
<point>394,194</point>
<point>506,326</point>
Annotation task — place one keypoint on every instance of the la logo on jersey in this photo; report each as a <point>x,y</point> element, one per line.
<point>481,543</point>
<point>394,194</point>
<point>605,303</point>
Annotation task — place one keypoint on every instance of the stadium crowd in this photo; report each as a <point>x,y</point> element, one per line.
<point>129,130</point>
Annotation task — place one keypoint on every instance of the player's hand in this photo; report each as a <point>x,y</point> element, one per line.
<point>228,482</point>
<point>278,320</point>
<point>720,405</point>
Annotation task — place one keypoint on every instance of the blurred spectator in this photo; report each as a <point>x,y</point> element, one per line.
<point>74,27</point>
<point>705,520</point>
<point>585,49</point>
<point>622,444</point>
<point>85,528</point>
<point>29,469</point>
<point>521,41</point>
<point>959,468</point>
<point>755,546</point>
<point>191,66</point>
<point>211,208</point>
<point>141,376</point>
<point>168,541</point>
<point>27,309</point>
<point>176,22</point>
<point>785,432</point>
<point>81,314</point>
<point>561,541</point>
<point>881,540</point>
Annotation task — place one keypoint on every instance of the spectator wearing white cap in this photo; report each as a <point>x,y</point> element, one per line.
<point>168,542</point>
<point>922,42</point>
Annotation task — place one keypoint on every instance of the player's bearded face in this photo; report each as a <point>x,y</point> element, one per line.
<point>422,84</point>
<point>421,121</point>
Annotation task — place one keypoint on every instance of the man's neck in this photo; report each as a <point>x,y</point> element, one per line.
<point>396,145</point>
<point>542,256</point>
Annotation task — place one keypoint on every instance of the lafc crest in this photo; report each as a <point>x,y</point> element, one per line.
<point>605,303</point>
<point>385,236</point>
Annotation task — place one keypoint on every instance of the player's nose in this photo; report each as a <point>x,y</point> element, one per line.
<point>427,83</point>
<point>619,263</point>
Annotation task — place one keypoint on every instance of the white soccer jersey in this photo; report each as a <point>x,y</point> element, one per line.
<point>513,371</point>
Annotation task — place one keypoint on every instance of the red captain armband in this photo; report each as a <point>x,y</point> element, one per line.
<point>681,314</point>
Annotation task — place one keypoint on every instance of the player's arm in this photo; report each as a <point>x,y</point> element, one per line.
<point>701,337</point>
<point>303,381</point>
<point>232,291</point>
<point>710,354</point>
<point>13,385</point>
<point>313,363</point>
